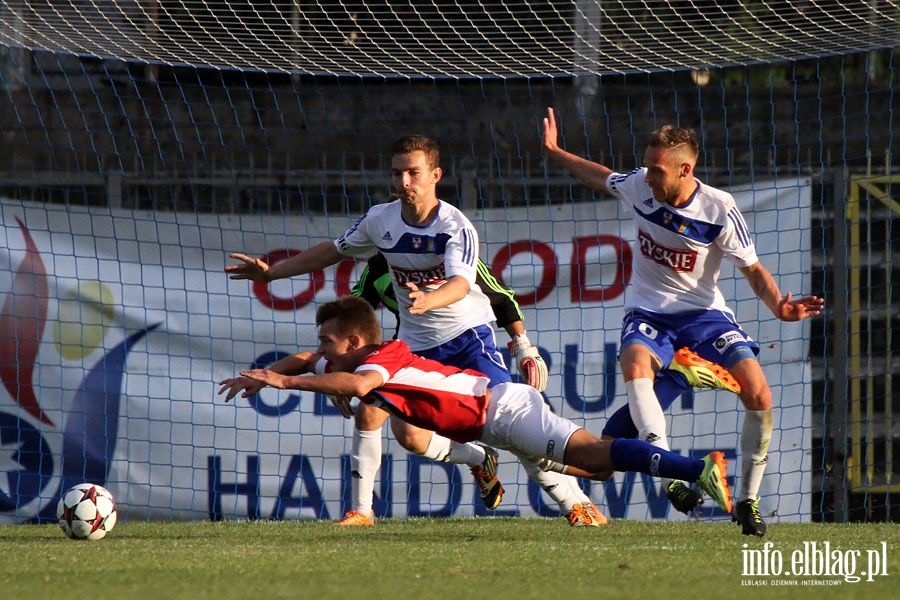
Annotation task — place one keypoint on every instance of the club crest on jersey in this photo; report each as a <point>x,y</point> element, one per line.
<point>677,260</point>
<point>679,225</point>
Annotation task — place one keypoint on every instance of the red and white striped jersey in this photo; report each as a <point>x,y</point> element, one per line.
<point>428,394</point>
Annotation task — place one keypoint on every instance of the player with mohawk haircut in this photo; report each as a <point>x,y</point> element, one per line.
<point>684,229</point>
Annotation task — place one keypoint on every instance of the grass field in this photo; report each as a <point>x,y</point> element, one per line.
<point>489,558</point>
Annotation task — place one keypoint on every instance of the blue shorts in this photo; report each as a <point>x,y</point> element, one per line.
<point>712,334</point>
<point>474,349</point>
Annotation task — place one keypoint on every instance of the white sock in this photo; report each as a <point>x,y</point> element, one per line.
<point>562,489</point>
<point>647,414</point>
<point>470,454</point>
<point>755,437</point>
<point>438,448</point>
<point>441,449</point>
<point>576,495</point>
<point>365,460</point>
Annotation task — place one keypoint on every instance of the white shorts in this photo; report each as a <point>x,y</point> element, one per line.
<point>517,420</point>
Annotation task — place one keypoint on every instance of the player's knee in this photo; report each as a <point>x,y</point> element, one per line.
<point>757,399</point>
<point>602,476</point>
<point>412,439</point>
<point>368,418</point>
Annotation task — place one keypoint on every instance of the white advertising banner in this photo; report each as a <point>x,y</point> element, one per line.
<point>116,326</point>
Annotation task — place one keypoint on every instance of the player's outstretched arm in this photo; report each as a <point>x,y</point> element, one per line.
<point>799,309</point>
<point>784,308</point>
<point>244,386</point>
<point>332,384</point>
<point>590,173</point>
<point>302,362</point>
<point>255,269</point>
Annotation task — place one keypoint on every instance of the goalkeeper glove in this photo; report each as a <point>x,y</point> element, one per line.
<point>532,367</point>
<point>342,403</point>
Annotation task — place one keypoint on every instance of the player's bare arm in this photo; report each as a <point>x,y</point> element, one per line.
<point>303,362</point>
<point>244,386</point>
<point>332,384</point>
<point>785,308</point>
<point>452,291</point>
<point>590,173</point>
<point>255,269</point>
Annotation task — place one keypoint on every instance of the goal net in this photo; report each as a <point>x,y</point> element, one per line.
<point>462,39</point>
<point>145,141</point>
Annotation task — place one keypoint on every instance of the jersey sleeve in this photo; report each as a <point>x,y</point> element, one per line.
<point>356,241</point>
<point>365,289</point>
<point>322,366</point>
<point>502,299</point>
<point>735,240</point>
<point>461,254</point>
<point>374,285</point>
<point>620,184</point>
<point>387,360</point>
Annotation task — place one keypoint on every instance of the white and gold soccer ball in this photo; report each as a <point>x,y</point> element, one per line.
<point>87,512</point>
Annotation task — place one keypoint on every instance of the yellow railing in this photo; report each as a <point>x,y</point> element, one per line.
<point>863,193</point>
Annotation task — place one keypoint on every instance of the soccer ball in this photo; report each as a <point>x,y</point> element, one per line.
<point>87,512</point>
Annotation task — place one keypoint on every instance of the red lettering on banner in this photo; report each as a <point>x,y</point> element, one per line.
<point>264,294</point>
<point>678,260</point>
<point>548,268</point>
<point>580,292</point>
<point>544,259</point>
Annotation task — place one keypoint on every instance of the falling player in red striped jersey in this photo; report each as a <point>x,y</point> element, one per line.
<point>431,249</point>
<point>352,361</point>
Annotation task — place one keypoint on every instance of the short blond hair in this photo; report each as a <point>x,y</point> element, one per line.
<point>669,137</point>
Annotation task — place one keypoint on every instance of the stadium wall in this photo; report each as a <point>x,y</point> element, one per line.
<point>271,124</point>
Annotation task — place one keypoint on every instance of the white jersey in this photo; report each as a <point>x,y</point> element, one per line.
<point>426,255</point>
<point>679,250</point>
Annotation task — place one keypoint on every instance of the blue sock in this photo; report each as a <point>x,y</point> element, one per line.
<point>637,455</point>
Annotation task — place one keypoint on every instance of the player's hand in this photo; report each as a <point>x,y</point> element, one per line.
<point>253,269</point>
<point>797,310</point>
<point>276,380</point>
<point>419,299</point>
<point>551,133</point>
<point>342,403</point>
<point>531,365</point>
<point>236,385</point>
